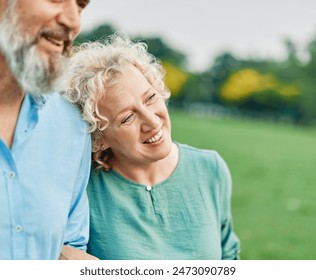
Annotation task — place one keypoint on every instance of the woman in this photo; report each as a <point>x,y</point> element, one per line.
<point>150,198</point>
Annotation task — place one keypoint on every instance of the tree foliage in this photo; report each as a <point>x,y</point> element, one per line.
<point>286,87</point>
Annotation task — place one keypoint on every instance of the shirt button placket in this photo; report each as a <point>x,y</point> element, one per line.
<point>154,198</point>
<point>18,228</point>
<point>19,236</point>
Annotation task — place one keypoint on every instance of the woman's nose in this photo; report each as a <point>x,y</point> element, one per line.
<point>150,121</point>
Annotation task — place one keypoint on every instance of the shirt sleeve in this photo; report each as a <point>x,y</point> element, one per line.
<point>230,242</point>
<point>77,231</point>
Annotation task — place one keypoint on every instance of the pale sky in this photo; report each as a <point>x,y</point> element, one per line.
<point>204,28</point>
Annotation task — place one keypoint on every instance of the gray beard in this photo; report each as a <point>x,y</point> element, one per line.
<point>34,73</point>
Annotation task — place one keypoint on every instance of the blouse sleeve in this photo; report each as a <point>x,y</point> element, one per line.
<point>230,242</point>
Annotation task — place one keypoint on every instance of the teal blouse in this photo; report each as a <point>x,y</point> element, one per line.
<point>187,216</point>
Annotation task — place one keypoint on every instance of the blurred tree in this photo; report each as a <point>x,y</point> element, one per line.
<point>159,48</point>
<point>204,86</point>
<point>95,34</point>
<point>285,87</point>
<point>223,66</point>
<point>175,77</point>
<point>251,90</point>
<point>156,46</point>
<point>196,89</point>
<point>246,83</point>
<point>307,104</point>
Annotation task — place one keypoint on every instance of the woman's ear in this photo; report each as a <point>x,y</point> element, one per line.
<point>104,146</point>
<point>102,141</point>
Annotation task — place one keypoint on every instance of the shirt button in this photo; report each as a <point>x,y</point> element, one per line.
<point>18,228</point>
<point>11,174</point>
<point>148,188</point>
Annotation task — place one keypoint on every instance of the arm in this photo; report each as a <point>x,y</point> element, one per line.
<point>77,228</point>
<point>230,242</point>
<point>71,253</point>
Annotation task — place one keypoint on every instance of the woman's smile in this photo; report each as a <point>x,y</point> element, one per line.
<point>155,138</point>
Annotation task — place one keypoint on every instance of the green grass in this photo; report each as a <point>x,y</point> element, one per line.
<point>274,181</point>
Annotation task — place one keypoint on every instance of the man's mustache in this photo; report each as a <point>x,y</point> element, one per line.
<point>60,34</point>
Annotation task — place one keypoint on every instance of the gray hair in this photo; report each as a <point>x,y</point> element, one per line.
<point>34,73</point>
<point>94,68</point>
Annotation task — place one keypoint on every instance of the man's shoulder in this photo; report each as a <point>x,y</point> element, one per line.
<point>62,109</point>
<point>58,114</point>
<point>56,100</point>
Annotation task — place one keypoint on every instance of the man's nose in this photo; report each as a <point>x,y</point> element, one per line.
<point>70,17</point>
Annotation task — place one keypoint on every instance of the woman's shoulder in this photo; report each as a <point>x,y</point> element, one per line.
<point>97,176</point>
<point>197,153</point>
<point>202,158</point>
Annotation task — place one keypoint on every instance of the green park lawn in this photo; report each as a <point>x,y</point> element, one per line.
<point>273,166</point>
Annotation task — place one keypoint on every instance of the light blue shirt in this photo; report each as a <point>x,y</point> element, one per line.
<point>43,177</point>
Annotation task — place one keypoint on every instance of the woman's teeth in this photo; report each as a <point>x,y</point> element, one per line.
<point>155,138</point>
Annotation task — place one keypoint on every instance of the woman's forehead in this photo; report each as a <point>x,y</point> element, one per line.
<point>131,81</point>
<point>131,86</point>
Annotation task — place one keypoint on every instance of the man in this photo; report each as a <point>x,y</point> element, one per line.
<point>44,144</point>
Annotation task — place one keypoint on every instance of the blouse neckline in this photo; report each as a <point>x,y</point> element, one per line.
<point>136,184</point>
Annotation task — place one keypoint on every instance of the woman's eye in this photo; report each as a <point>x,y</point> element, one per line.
<point>128,119</point>
<point>151,97</point>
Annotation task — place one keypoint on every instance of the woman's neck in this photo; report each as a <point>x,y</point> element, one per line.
<point>151,174</point>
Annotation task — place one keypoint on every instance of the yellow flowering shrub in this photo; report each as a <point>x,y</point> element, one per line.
<point>244,83</point>
<point>175,77</point>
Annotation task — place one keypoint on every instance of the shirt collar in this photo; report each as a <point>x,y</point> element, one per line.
<point>39,100</point>
<point>28,117</point>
